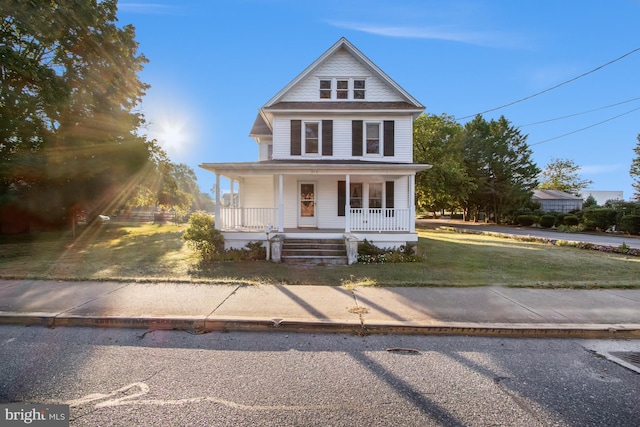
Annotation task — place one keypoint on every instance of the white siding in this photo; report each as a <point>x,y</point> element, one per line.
<point>342,136</point>
<point>256,192</point>
<point>342,65</point>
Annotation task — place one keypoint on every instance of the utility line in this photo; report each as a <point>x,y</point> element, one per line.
<point>578,114</point>
<point>554,87</point>
<point>585,128</point>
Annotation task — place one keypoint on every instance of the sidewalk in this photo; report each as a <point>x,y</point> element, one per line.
<point>486,311</point>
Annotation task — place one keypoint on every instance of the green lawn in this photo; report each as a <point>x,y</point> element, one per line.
<point>151,252</point>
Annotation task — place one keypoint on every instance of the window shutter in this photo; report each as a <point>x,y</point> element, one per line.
<point>389,191</point>
<point>327,137</point>
<point>342,197</point>
<point>389,135</point>
<point>356,138</point>
<point>296,137</point>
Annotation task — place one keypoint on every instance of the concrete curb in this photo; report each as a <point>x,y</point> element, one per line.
<point>203,325</point>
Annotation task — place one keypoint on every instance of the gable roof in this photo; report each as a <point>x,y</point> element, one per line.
<point>553,195</point>
<point>343,43</point>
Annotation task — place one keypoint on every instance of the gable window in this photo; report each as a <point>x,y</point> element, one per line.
<point>342,88</point>
<point>372,142</point>
<point>325,89</point>
<point>358,89</point>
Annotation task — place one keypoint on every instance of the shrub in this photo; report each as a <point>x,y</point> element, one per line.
<point>559,220</point>
<point>570,220</point>
<point>527,220</point>
<point>599,218</point>
<point>630,224</point>
<point>368,253</point>
<point>202,236</point>
<point>547,221</point>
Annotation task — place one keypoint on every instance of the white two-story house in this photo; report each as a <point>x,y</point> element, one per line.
<point>335,159</point>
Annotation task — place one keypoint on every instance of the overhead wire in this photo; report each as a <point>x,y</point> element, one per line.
<point>553,87</point>
<point>587,127</point>
<point>581,113</point>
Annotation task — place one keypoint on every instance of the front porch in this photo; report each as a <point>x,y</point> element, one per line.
<point>355,220</point>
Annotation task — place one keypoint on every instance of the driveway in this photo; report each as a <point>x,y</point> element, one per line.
<point>595,238</point>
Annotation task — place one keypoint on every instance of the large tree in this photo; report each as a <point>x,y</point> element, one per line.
<point>498,160</point>
<point>437,140</point>
<point>68,90</point>
<point>634,171</point>
<point>562,174</point>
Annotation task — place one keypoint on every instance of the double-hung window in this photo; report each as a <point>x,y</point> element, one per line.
<point>311,137</point>
<point>375,195</point>
<point>342,88</point>
<point>372,139</point>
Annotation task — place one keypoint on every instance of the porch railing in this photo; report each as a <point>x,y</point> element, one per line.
<point>380,219</point>
<point>246,219</point>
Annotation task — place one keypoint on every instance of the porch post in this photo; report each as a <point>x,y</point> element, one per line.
<point>217,209</point>
<point>347,202</point>
<point>232,203</point>
<point>412,203</point>
<point>280,203</point>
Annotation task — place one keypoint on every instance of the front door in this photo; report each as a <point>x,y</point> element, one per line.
<point>307,204</point>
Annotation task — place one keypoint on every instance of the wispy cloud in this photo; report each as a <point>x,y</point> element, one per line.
<point>447,33</point>
<point>147,8</point>
<point>600,169</point>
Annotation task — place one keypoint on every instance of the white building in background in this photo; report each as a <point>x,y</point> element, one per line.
<point>602,196</point>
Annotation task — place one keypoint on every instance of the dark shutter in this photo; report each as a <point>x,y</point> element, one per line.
<point>356,138</point>
<point>296,137</point>
<point>389,135</point>
<point>327,137</point>
<point>389,196</point>
<point>342,197</point>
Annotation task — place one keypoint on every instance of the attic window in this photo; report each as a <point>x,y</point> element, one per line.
<point>342,91</point>
<point>325,89</point>
<point>358,89</point>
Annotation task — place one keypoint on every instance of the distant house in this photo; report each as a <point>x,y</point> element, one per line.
<point>602,197</point>
<point>335,159</point>
<point>557,201</point>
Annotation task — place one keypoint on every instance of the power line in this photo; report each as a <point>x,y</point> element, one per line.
<point>583,112</point>
<point>554,87</point>
<point>585,128</point>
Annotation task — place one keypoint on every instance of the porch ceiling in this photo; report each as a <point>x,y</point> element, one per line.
<point>315,167</point>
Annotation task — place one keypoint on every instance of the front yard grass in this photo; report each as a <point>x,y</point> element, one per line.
<point>157,253</point>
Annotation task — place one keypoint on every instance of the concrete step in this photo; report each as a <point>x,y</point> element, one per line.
<point>314,251</point>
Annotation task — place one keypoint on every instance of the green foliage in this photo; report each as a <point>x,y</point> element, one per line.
<point>527,220</point>
<point>590,202</point>
<point>630,224</point>
<point>562,175</point>
<point>202,236</point>
<point>547,221</point>
<point>368,253</point>
<point>570,220</point>
<point>437,140</point>
<point>498,161</point>
<point>69,89</point>
<point>600,219</point>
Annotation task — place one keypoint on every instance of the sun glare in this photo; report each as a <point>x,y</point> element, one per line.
<point>172,134</point>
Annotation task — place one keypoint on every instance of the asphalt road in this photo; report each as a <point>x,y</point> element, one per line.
<point>595,238</point>
<point>113,377</point>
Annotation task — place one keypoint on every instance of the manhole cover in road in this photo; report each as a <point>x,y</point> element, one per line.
<point>630,357</point>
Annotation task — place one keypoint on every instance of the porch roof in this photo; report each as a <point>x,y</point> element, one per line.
<point>322,167</point>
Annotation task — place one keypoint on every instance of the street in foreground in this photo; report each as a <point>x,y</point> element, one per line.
<point>159,378</point>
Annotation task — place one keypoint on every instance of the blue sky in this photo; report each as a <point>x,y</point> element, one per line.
<point>214,63</point>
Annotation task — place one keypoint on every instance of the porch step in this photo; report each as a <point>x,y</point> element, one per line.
<point>314,251</point>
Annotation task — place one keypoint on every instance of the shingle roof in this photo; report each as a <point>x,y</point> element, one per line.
<point>553,195</point>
